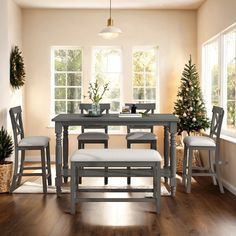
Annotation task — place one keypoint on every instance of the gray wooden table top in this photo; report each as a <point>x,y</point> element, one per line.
<point>114,119</point>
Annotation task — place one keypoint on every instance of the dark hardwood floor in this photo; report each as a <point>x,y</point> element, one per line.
<point>203,212</point>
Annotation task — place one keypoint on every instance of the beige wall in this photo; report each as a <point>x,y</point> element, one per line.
<point>4,74</point>
<point>213,17</point>
<point>174,32</point>
<point>10,35</point>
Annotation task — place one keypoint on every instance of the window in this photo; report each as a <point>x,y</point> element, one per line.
<point>144,76</point>
<point>219,67</point>
<point>229,77</point>
<point>69,87</point>
<point>106,68</point>
<point>211,71</point>
<point>67,79</point>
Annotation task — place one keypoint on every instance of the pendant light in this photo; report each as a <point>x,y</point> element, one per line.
<point>110,32</point>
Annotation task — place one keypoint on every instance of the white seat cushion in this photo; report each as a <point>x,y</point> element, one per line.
<point>34,141</point>
<point>93,136</point>
<point>199,141</point>
<point>109,155</point>
<point>141,136</point>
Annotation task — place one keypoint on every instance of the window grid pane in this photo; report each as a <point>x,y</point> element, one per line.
<point>106,68</point>
<point>144,75</point>
<point>211,73</point>
<point>67,79</point>
<point>229,62</point>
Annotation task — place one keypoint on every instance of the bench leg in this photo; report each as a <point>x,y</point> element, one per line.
<point>106,168</point>
<point>44,174</point>
<point>73,188</point>
<point>189,174</point>
<point>128,178</point>
<point>128,168</point>
<point>184,171</point>
<point>157,186</point>
<point>106,178</point>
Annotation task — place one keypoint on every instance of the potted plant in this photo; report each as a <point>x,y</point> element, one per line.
<point>96,93</point>
<point>6,149</point>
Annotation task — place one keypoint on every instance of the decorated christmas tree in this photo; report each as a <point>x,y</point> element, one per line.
<point>190,107</point>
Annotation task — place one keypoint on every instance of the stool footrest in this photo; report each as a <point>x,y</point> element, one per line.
<point>116,199</point>
<point>115,189</point>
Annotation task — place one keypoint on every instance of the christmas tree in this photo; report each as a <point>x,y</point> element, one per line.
<point>190,107</point>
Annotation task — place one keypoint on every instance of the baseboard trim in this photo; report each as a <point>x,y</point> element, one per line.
<point>229,186</point>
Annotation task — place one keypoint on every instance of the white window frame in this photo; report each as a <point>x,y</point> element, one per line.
<point>121,69</point>
<point>119,129</point>
<point>219,38</point>
<point>53,48</point>
<point>144,48</point>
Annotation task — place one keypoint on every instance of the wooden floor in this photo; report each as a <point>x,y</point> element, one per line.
<point>203,212</point>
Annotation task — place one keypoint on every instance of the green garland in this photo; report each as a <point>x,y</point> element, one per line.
<point>17,71</point>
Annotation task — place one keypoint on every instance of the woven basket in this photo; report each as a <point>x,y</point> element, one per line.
<point>179,159</point>
<point>5,176</point>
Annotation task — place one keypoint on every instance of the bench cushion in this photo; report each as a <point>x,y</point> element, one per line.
<point>109,155</point>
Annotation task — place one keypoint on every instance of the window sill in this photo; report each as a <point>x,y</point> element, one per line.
<point>228,138</point>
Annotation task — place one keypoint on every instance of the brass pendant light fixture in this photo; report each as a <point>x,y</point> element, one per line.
<point>110,32</point>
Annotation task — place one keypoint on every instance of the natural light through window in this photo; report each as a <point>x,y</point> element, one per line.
<point>219,67</point>
<point>106,68</point>
<point>67,79</point>
<point>144,77</point>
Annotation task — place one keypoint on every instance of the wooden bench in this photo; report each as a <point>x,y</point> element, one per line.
<point>88,163</point>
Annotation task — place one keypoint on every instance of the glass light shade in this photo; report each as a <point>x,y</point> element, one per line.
<point>110,32</point>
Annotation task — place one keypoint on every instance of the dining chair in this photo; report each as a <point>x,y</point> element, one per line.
<point>23,144</point>
<point>210,143</point>
<point>146,134</point>
<point>94,137</point>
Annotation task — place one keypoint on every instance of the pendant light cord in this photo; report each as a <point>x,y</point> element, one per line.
<point>110,9</point>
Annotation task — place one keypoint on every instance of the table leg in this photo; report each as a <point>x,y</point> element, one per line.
<point>173,162</point>
<point>65,152</point>
<point>58,180</point>
<point>166,149</point>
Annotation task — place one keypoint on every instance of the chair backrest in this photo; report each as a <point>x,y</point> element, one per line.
<point>216,122</point>
<point>85,107</point>
<point>17,124</point>
<point>145,108</point>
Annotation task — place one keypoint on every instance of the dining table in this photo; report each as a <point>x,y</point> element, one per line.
<point>167,121</point>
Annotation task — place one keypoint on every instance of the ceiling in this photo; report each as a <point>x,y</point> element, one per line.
<point>116,4</point>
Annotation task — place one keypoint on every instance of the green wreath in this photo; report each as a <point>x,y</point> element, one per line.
<point>17,70</point>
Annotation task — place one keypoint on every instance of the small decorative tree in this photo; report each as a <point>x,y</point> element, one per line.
<point>190,107</point>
